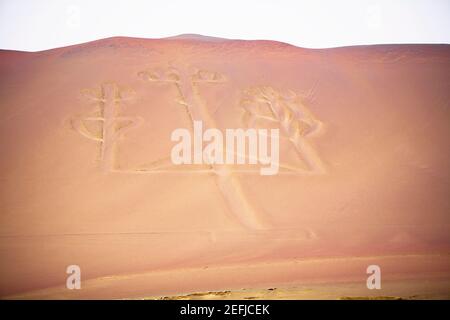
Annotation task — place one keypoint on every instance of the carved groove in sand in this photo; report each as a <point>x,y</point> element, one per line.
<point>105,124</point>
<point>259,104</point>
<point>186,84</point>
<point>265,105</point>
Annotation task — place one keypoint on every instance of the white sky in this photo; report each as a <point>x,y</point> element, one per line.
<point>34,25</point>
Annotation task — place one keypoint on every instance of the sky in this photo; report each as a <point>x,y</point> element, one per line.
<point>34,25</point>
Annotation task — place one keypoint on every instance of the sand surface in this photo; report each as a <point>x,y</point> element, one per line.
<point>86,176</point>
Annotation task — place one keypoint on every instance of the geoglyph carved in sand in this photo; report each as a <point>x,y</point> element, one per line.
<point>264,105</point>
<point>189,98</point>
<point>259,103</point>
<point>105,124</point>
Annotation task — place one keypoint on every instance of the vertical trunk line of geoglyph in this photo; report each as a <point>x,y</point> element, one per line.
<point>227,183</point>
<point>108,110</point>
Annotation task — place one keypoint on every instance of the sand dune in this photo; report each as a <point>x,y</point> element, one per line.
<point>86,176</point>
